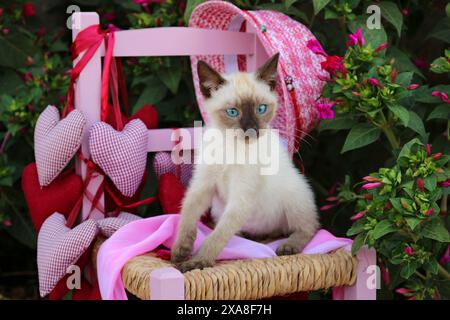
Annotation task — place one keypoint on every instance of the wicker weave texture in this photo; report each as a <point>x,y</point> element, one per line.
<point>249,279</point>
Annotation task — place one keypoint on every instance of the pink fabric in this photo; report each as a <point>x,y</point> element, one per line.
<point>122,155</point>
<point>146,235</point>
<point>299,82</point>
<point>56,142</point>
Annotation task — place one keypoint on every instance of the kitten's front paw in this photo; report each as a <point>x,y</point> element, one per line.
<point>193,264</point>
<point>286,249</point>
<point>180,253</point>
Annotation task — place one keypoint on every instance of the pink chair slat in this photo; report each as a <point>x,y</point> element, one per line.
<point>180,41</point>
<point>166,139</point>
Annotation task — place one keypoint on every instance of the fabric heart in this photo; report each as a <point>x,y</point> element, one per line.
<point>108,226</point>
<point>121,155</point>
<point>147,114</point>
<point>162,163</point>
<point>56,142</point>
<point>170,193</point>
<point>59,247</point>
<point>60,196</point>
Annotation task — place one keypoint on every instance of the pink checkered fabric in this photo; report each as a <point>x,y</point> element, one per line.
<point>162,163</point>
<point>60,247</point>
<point>110,225</point>
<point>56,142</point>
<point>299,71</point>
<point>122,155</point>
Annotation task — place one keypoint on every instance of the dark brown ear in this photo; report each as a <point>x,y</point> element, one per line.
<point>268,72</point>
<point>210,79</point>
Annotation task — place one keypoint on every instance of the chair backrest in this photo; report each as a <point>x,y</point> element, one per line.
<point>171,41</point>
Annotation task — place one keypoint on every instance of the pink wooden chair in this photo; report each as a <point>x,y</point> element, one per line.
<point>168,283</point>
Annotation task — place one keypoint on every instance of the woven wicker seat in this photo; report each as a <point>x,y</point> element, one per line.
<point>247,279</point>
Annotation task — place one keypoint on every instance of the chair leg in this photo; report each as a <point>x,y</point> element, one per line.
<point>367,279</point>
<point>166,284</point>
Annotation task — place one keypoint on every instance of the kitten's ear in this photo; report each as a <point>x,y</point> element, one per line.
<point>268,71</point>
<point>210,79</point>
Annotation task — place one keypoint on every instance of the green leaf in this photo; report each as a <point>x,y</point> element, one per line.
<point>416,124</point>
<point>289,3</point>
<point>401,112</point>
<point>152,94</point>
<point>404,78</point>
<point>358,243</point>
<point>441,31</point>
<point>383,228</point>
<point>435,229</point>
<point>190,6</point>
<point>431,266</point>
<point>171,78</point>
<point>359,136</point>
<point>340,122</point>
<point>440,112</point>
<point>408,270</point>
<point>430,182</point>
<point>319,5</point>
<point>373,36</point>
<point>391,13</point>
<point>412,222</point>
<point>402,62</point>
<point>356,228</point>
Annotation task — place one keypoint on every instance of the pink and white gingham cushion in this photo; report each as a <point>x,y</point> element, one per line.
<point>60,247</point>
<point>108,226</point>
<point>122,155</point>
<point>56,142</point>
<point>162,163</point>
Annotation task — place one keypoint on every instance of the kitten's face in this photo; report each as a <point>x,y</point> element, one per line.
<point>245,101</point>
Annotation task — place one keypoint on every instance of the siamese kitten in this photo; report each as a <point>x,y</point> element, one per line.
<point>281,204</point>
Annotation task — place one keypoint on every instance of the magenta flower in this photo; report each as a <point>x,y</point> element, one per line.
<point>7,223</point>
<point>446,257</point>
<point>436,156</point>
<point>333,64</point>
<point>328,207</point>
<point>113,28</point>
<point>381,47</point>
<point>429,212</point>
<point>372,185</point>
<point>374,82</point>
<point>358,216</point>
<point>316,47</point>
<point>445,184</point>
<point>409,251</point>
<point>332,199</point>
<point>146,2</point>
<point>420,184</point>
<point>394,74</point>
<point>441,95</point>
<point>420,63</point>
<point>413,86</point>
<point>370,179</point>
<point>405,12</point>
<point>325,111</point>
<point>384,274</point>
<point>356,38</point>
<point>404,291</point>
<point>428,148</point>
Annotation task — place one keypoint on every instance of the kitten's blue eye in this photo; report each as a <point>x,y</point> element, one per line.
<point>262,108</point>
<point>232,112</point>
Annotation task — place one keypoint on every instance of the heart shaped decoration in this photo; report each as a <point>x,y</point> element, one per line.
<point>162,164</point>
<point>122,155</point>
<point>110,225</point>
<point>56,142</point>
<point>60,196</point>
<point>59,247</point>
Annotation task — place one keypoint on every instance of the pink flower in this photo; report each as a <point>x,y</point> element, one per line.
<point>445,184</point>
<point>413,86</point>
<point>409,251</point>
<point>7,223</point>
<point>384,274</point>
<point>328,207</point>
<point>446,257</point>
<point>405,12</point>
<point>420,63</point>
<point>429,212</point>
<point>41,32</point>
<point>28,10</point>
<point>374,82</point>
<point>1,12</point>
<point>441,95</point>
<point>333,64</point>
<point>358,216</point>
<point>356,38</point>
<point>394,74</point>
<point>370,179</point>
<point>420,184</point>
<point>332,199</point>
<point>316,47</point>
<point>428,148</point>
<point>381,47</point>
<point>28,76</point>
<point>436,156</point>
<point>5,31</point>
<point>325,111</point>
<point>404,291</point>
<point>372,185</point>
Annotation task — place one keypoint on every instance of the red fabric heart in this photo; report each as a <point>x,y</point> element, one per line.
<point>87,292</point>
<point>147,114</point>
<point>60,196</point>
<point>170,193</point>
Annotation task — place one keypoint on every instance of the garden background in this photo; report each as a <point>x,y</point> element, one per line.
<point>388,118</point>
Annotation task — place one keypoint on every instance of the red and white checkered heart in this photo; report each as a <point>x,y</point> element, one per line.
<point>162,163</point>
<point>122,155</point>
<point>59,247</point>
<point>56,142</point>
